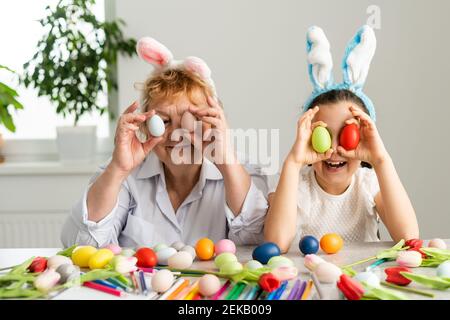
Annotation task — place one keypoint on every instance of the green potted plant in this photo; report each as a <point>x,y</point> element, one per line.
<point>73,66</point>
<point>8,102</point>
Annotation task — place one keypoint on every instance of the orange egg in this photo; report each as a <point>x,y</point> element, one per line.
<point>204,249</point>
<point>331,243</point>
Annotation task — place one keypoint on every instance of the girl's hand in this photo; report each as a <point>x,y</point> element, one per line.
<point>370,148</point>
<point>302,152</point>
<point>214,115</point>
<point>129,152</point>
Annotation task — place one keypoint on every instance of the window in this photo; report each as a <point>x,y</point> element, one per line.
<point>19,36</point>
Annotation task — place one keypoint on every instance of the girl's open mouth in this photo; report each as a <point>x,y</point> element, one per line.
<point>334,166</point>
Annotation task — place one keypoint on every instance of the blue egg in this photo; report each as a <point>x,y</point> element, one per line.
<point>308,245</point>
<point>265,251</point>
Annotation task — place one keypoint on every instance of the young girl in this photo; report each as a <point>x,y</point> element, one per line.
<point>145,195</point>
<point>337,191</point>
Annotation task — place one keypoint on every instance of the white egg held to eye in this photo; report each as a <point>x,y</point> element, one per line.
<point>180,260</point>
<point>162,281</point>
<point>188,121</point>
<point>156,126</point>
<point>208,285</point>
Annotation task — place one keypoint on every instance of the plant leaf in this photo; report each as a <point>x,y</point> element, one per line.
<point>429,281</point>
<point>68,251</point>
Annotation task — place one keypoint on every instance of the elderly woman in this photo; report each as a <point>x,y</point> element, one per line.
<point>152,191</point>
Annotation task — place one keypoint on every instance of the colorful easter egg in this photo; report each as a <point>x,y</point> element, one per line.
<point>349,137</point>
<point>204,249</point>
<point>114,248</point>
<point>191,250</point>
<point>177,245</point>
<point>437,243</point>
<point>253,265</point>
<point>82,254</point>
<point>208,285</point>
<point>279,261</point>
<point>159,246</point>
<point>368,277</point>
<point>224,258</point>
<point>224,245</point>
<point>443,270</point>
<point>265,251</point>
<point>308,245</point>
<point>162,280</point>
<point>331,243</point>
<point>164,255</point>
<point>146,258</point>
<point>180,260</point>
<point>321,139</point>
<point>231,268</point>
<point>100,259</point>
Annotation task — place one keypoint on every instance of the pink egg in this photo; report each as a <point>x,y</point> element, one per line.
<point>224,245</point>
<point>114,248</point>
<point>437,243</point>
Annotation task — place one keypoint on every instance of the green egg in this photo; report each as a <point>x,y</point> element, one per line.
<point>279,261</point>
<point>159,246</point>
<point>231,268</point>
<point>321,139</point>
<point>223,258</point>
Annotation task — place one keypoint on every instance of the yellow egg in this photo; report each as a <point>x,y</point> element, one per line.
<point>100,259</point>
<point>82,254</point>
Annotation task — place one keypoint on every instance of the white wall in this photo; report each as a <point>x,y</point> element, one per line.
<point>256,49</point>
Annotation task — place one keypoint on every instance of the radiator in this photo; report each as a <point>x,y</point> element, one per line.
<point>31,230</point>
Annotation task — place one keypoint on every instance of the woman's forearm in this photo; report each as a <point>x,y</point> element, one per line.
<point>281,221</point>
<point>102,195</point>
<point>237,184</point>
<point>398,213</point>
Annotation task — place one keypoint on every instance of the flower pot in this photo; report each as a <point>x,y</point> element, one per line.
<point>76,144</point>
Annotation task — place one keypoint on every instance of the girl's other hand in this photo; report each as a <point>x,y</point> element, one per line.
<point>370,148</point>
<point>302,152</point>
<point>129,152</point>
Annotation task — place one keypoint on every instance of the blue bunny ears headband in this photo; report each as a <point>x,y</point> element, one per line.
<point>355,65</point>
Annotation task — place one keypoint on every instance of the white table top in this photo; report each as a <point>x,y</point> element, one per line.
<point>350,253</point>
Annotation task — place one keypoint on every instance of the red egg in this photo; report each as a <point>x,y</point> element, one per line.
<point>349,137</point>
<point>146,258</point>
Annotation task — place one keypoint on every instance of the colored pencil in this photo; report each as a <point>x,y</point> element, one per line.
<point>107,284</point>
<point>253,293</point>
<point>133,279</point>
<point>174,287</point>
<point>294,290</point>
<point>119,284</point>
<point>192,292</point>
<point>318,286</point>
<point>143,284</point>
<point>186,291</point>
<point>231,292</point>
<point>177,291</point>
<point>197,296</point>
<point>221,290</point>
<point>237,292</point>
<point>280,291</point>
<point>300,291</point>
<point>103,288</point>
<point>122,279</point>
<point>245,292</point>
<point>307,290</point>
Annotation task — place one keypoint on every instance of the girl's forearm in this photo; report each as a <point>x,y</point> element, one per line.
<point>281,221</point>
<point>237,183</point>
<point>102,195</point>
<point>399,215</point>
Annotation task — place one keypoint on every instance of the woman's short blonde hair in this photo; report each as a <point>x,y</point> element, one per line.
<point>168,85</point>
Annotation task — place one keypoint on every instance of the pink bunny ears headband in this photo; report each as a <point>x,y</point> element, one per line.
<point>161,58</point>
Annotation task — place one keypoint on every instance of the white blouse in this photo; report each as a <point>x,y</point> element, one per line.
<point>144,216</point>
<point>351,214</point>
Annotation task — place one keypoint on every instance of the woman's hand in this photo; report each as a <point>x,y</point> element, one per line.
<point>370,148</point>
<point>214,115</point>
<point>302,152</point>
<point>129,152</point>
